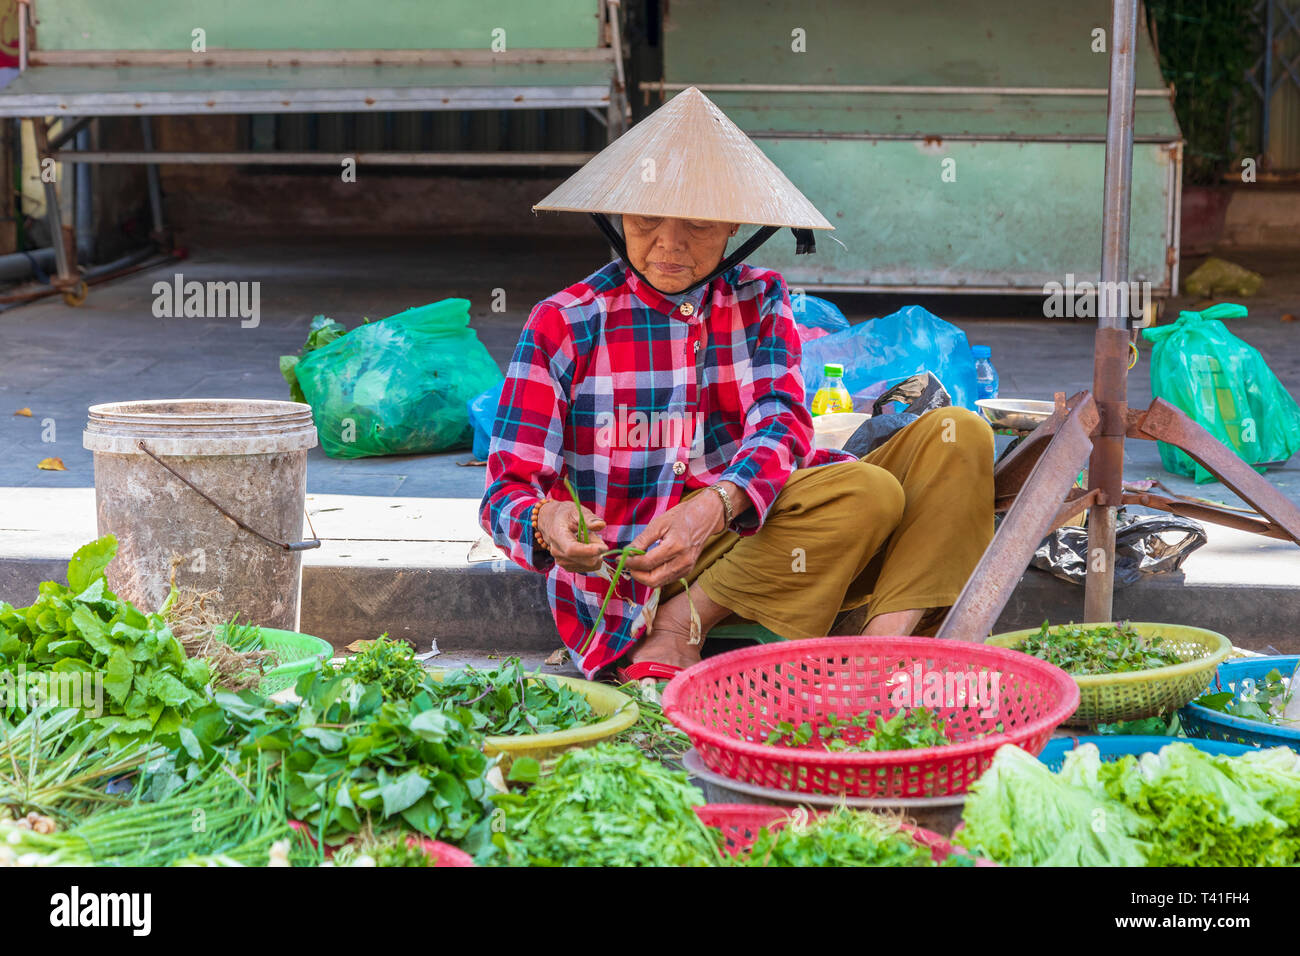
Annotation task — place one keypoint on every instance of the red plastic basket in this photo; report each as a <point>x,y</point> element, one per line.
<point>740,823</point>
<point>439,853</point>
<point>729,704</point>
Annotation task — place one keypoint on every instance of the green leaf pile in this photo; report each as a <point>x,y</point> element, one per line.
<point>1081,649</point>
<point>1180,807</point>
<point>509,700</point>
<point>908,729</point>
<point>606,805</point>
<point>350,756</point>
<point>390,664</point>
<point>83,629</point>
<point>842,837</point>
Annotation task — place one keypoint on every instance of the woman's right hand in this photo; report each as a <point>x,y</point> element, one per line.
<point>558,521</point>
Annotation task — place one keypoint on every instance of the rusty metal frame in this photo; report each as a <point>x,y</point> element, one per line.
<point>1037,510</point>
<point>1277,514</point>
<point>1033,485</point>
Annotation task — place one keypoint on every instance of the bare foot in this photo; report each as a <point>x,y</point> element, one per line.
<point>669,640</point>
<point>893,624</point>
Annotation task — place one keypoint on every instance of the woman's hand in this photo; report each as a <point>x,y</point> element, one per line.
<point>558,521</point>
<point>678,536</point>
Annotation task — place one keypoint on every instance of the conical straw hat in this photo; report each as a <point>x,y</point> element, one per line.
<point>686,160</point>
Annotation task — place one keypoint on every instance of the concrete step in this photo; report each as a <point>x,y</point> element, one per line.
<point>401,566</point>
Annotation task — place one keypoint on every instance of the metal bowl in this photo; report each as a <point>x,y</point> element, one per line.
<point>1023,415</point>
<point>940,814</point>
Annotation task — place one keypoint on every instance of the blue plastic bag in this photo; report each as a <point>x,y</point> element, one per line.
<point>882,352</point>
<point>814,313</point>
<point>482,412</point>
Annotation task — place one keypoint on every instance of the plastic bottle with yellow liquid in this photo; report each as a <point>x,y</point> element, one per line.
<point>833,396</point>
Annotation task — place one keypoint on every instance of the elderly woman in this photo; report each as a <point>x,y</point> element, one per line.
<point>665,388</point>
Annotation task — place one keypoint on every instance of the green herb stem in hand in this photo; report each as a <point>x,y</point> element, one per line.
<point>623,555</point>
<point>583,534</point>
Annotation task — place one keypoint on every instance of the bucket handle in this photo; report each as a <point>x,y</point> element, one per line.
<point>282,545</point>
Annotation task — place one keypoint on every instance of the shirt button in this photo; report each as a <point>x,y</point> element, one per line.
<point>687,309</point>
<point>697,348</point>
<point>679,468</point>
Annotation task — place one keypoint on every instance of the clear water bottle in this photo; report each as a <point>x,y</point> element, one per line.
<point>986,376</point>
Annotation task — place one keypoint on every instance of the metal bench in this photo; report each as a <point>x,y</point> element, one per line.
<point>81,59</point>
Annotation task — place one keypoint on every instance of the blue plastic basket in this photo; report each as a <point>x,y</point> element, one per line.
<point>1200,721</point>
<point>1115,746</point>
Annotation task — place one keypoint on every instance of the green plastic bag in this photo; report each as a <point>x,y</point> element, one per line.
<point>1225,386</point>
<point>400,385</point>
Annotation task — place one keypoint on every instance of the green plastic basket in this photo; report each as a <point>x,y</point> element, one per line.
<point>1109,698</point>
<point>297,654</point>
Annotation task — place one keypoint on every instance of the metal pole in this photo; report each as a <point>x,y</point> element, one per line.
<point>153,181</point>
<point>1110,361</point>
<point>63,250</point>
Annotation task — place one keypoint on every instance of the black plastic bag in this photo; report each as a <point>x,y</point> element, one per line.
<point>1139,548</point>
<point>923,392</point>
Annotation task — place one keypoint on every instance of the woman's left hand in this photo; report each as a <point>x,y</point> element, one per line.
<point>677,536</point>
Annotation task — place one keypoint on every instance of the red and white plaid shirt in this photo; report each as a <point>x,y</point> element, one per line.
<point>602,389</point>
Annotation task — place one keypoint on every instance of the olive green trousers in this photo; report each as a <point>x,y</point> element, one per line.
<point>901,529</point>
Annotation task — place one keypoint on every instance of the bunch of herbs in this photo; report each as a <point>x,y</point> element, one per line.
<point>1083,649</point>
<point>80,636</point>
<point>908,729</point>
<point>350,756</point>
<point>842,837</point>
<point>606,805</point>
<point>389,664</point>
<point>509,700</point>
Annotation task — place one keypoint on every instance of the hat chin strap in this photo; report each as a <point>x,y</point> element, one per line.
<point>804,243</point>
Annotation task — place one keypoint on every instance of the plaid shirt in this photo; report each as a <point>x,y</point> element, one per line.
<point>603,388</point>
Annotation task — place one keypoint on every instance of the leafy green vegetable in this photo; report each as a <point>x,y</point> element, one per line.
<point>653,733</point>
<point>1180,807</point>
<point>1099,649</point>
<point>908,729</point>
<point>1022,814</point>
<point>351,758</point>
<point>390,664</point>
<point>226,813</point>
<point>605,805</point>
<point>842,837</point>
<point>1264,700</point>
<point>51,764</point>
<point>508,700</point>
<point>392,848</point>
<point>1145,726</point>
<point>322,332</point>
<point>501,700</point>
<point>80,644</point>
<point>1195,812</point>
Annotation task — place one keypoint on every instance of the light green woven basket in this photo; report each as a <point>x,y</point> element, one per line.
<point>296,653</point>
<point>1108,698</point>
